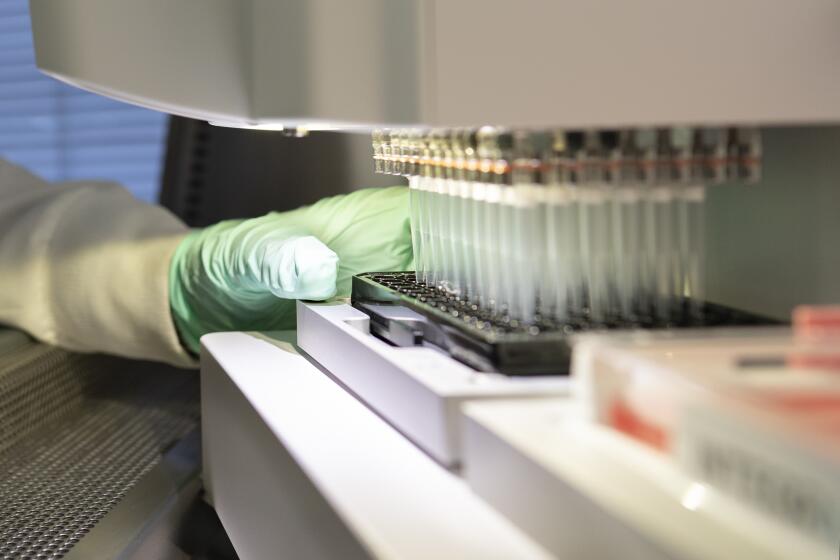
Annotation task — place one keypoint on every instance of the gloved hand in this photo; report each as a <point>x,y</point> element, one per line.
<point>245,274</point>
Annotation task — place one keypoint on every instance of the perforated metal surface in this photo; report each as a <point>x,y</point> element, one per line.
<point>38,384</point>
<point>76,433</point>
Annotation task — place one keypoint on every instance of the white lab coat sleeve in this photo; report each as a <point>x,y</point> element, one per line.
<point>85,266</point>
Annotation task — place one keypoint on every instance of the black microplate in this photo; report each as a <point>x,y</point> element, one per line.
<point>494,342</point>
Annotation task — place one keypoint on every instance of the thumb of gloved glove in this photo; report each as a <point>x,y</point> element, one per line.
<point>244,275</point>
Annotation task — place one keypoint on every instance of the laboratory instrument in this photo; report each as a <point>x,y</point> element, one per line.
<point>585,101</point>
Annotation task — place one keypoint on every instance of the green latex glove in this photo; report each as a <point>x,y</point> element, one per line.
<point>242,275</point>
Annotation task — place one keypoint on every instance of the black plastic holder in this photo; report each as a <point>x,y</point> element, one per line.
<point>493,342</point>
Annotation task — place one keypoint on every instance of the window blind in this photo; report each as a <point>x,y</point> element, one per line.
<point>62,133</point>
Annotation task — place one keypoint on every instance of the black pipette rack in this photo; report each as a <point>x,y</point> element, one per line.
<point>494,342</point>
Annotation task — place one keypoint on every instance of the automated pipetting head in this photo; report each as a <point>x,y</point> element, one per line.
<point>535,232</point>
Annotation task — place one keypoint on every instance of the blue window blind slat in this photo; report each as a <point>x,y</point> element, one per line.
<point>112,117</point>
<point>26,88</point>
<point>104,172</point>
<point>13,72</point>
<point>28,129</point>
<point>15,55</point>
<point>48,140</point>
<point>32,157</point>
<point>15,38</point>
<point>12,23</point>
<point>28,107</point>
<point>18,124</point>
<point>12,9</point>
<point>134,176</point>
<point>118,154</point>
<point>28,140</point>
<point>150,134</point>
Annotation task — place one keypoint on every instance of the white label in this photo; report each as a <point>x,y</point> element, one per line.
<point>753,463</point>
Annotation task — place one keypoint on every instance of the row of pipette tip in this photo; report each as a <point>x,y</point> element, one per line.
<point>560,227</point>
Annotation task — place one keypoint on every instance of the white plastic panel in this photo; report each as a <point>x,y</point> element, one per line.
<point>584,491</point>
<point>579,62</point>
<point>244,62</point>
<point>298,468</point>
<point>187,57</point>
<point>453,62</point>
<point>419,390</point>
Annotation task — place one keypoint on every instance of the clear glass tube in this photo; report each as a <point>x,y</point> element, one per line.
<point>527,252</point>
<point>456,238</point>
<point>444,276</point>
<point>491,240</point>
<point>431,246</point>
<point>559,250</point>
<point>478,242</point>
<point>648,253</point>
<point>626,235</point>
<point>595,239</point>
<point>415,213</point>
<point>662,253</point>
<point>467,250</point>
<point>694,197</point>
<point>506,252</point>
<point>576,294</point>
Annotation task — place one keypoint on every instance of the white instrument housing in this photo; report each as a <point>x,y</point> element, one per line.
<point>533,63</point>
